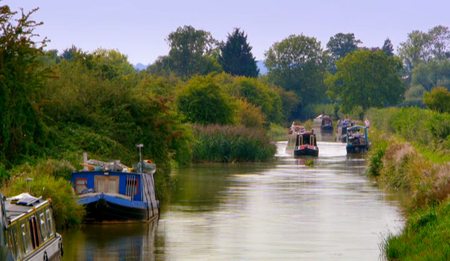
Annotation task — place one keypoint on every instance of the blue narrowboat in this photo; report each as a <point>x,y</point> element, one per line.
<point>112,192</point>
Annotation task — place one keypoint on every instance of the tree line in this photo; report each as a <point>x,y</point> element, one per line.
<point>105,106</point>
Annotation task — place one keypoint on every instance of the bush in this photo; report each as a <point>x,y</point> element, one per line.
<point>48,183</point>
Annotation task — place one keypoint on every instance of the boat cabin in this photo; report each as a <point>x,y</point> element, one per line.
<point>357,139</point>
<point>30,229</point>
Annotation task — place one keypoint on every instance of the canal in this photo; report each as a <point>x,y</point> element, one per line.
<point>288,209</point>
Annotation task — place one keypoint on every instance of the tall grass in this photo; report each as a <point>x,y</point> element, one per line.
<point>410,152</point>
<point>48,181</point>
<point>216,143</point>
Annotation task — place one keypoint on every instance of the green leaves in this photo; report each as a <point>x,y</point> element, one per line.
<point>438,99</point>
<point>298,64</point>
<point>236,57</point>
<point>367,78</point>
<point>202,101</point>
<point>22,76</point>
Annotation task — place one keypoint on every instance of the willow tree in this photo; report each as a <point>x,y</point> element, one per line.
<point>21,76</point>
<point>368,79</point>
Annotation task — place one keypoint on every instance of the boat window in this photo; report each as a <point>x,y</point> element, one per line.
<point>112,186</point>
<point>107,184</point>
<point>100,185</point>
<point>80,185</point>
<point>43,226</point>
<point>48,213</point>
<point>12,233</point>
<point>33,232</point>
<point>26,238</point>
<point>132,187</point>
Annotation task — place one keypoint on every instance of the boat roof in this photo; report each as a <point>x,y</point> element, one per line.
<point>356,127</point>
<point>21,205</point>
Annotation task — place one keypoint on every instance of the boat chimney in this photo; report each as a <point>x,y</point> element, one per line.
<point>140,157</point>
<point>85,161</point>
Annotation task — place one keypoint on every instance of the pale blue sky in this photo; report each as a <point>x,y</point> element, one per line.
<point>137,28</point>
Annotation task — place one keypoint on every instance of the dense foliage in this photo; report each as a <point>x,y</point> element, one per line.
<point>298,64</point>
<point>367,79</point>
<point>22,76</point>
<point>339,46</point>
<point>236,55</point>
<point>191,52</point>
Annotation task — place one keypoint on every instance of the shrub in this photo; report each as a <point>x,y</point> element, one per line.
<point>48,183</point>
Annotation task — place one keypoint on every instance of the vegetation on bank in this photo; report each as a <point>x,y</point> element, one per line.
<point>57,106</point>
<point>218,143</point>
<point>410,152</point>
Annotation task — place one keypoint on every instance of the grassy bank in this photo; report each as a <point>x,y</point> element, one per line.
<point>410,152</point>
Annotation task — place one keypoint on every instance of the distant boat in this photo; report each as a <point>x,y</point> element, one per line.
<point>357,139</point>
<point>113,192</point>
<point>30,229</point>
<point>301,144</point>
<point>341,130</point>
<point>327,124</point>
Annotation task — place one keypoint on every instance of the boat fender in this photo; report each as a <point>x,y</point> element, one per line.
<point>45,258</point>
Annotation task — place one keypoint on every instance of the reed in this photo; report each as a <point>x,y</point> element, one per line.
<point>217,143</point>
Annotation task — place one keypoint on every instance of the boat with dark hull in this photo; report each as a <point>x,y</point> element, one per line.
<point>112,192</point>
<point>327,124</point>
<point>301,144</point>
<point>357,139</point>
<point>30,229</point>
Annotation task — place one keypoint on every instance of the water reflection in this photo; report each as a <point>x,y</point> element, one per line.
<point>281,210</point>
<point>132,241</point>
<point>325,211</point>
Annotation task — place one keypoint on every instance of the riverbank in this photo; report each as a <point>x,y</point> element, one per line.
<point>410,152</point>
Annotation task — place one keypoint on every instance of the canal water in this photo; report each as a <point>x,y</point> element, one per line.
<point>288,209</point>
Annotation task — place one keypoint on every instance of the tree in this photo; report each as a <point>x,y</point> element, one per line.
<point>236,57</point>
<point>339,46</point>
<point>202,101</point>
<point>432,74</point>
<point>367,79</point>
<point>298,63</point>
<point>440,42</point>
<point>438,99</point>
<point>191,52</point>
<point>414,50</point>
<point>21,76</point>
<point>388,47</point>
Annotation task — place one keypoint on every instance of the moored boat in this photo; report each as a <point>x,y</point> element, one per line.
<point>341,129</point>
<point>327,124</point>
<point>30,229</point>
<point>357,139</point>
<point>113,192</point>
<point>304,143</point>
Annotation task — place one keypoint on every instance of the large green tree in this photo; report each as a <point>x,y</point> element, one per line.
<point>191,52</point>
<point>368,79</point>
<point>298,64</point>
<point>339,46</point>
<point>21,77</point>
<point>236,56</point>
